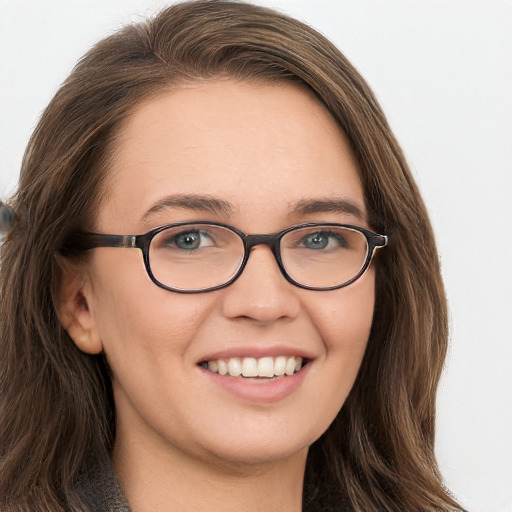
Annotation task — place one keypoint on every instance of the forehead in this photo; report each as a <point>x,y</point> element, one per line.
<point>260,147</point>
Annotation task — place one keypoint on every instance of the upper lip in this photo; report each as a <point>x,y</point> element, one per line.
<point>258,352</point>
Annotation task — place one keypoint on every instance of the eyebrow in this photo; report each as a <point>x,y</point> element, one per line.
<point>329,205</point>
<point>195,202</point>
<point>211,204</point>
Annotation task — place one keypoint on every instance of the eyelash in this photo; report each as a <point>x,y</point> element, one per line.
<point>173,240</point>
<point>330,235</point>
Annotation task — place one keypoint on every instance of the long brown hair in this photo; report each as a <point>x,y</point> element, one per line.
<point>57,411</point>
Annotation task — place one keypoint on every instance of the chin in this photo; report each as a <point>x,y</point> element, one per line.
<point>253,447</point>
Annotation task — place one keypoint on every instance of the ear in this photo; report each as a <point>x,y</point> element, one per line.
<point>74,313</point>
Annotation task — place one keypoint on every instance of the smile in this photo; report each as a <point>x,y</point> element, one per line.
<point>251,367</point>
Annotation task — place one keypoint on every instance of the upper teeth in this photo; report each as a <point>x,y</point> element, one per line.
<point>252,367</point>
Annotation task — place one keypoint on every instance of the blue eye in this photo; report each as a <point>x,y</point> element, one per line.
<point>316,241</point>
<point>323,240</point>
<point>189,240</point>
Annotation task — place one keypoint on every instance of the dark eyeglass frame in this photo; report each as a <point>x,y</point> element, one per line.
<point>80,242</point>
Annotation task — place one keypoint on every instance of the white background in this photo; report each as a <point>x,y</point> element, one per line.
<point>443,73</point>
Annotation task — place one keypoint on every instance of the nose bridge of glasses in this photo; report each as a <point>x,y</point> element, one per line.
<point>271,240</point>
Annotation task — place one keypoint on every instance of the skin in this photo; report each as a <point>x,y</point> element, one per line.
<point>182,440</point>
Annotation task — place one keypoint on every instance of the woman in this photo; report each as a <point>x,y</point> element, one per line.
<point>163,351</point>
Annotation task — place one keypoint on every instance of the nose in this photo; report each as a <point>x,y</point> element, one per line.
<point>261,293</point>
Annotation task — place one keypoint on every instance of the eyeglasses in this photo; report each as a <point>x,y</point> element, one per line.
<point>192,257</point>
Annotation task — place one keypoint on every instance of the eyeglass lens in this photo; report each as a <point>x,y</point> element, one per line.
<point>201,256</point>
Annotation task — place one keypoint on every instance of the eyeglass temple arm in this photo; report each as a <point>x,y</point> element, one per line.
<point>85,241</point>
<point>379,240</point>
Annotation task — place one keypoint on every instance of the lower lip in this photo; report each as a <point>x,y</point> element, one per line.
<point>259,391</point>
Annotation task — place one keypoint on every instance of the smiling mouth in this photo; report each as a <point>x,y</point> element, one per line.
<point>251,367</point>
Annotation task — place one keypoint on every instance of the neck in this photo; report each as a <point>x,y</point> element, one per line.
<point>168,480</point>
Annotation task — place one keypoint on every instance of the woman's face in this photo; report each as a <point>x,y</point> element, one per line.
<point>261,158</point>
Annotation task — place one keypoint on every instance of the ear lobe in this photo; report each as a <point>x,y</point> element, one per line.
<point>75,315</point>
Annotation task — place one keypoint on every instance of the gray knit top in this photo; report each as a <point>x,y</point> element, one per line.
<point>100,491</point>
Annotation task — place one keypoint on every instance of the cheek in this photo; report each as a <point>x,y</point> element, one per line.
<point>137,319</point>
<point>344,322</point>
<point>345,319</point>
